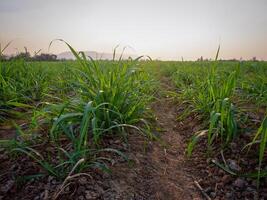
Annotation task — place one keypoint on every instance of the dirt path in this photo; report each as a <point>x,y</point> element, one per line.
<point>160,171</point>
<point>173,180</point>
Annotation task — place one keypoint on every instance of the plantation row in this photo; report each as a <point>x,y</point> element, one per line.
<point>231,99</point>
<point>72,105</point>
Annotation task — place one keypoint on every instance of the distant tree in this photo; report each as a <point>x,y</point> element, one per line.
<point>254,58</point>
<point>45,57</point>
<point>200,59</point>
<point>3,57</point>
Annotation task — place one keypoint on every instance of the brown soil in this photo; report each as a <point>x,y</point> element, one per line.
<point>160,171</point>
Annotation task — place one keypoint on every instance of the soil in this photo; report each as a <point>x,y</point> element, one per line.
<point>158,169</point>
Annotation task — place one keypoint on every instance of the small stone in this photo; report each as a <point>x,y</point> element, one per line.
<point>50,178</point>
<point>208,161</point>
<point>233,165</point>
<point>221,172</point>
<point>106,175</point>
<point>208,190</point>
<point>233,146</point>
<point>116,142</point>
<point>44,195</point>
<point>245,162</point>
<point>239,183</point>
<point>67,189</point>
<point>99,189</point>
<point>81,190</point>
<point>249,189</point>
<point>212,194</point>
<point>125,146</point>
<point>226,179</point>
<point>90,195</point>
<point>3,157</point>
<point>81,198</point>
<point>219,185</point>
<point>8,185</point>
<point>228,195</point>
<point>83,180</point>
<point>36,198</point>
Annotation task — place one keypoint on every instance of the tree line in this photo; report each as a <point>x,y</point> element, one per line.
<point>27,57</point>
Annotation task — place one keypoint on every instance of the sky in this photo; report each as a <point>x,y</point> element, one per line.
<point>162,29</point>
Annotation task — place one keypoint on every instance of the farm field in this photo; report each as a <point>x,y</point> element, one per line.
<point>133,129</point>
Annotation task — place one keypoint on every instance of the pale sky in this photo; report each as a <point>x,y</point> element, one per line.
<point>164,29</point>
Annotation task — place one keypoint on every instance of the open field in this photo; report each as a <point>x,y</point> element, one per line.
<point>133,129</point>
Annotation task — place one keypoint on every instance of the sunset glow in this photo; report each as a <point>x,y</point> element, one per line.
<point>166,30</point>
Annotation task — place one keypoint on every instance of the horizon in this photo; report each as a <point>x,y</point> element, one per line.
<point>164,31</point>
<point>68,55</point>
